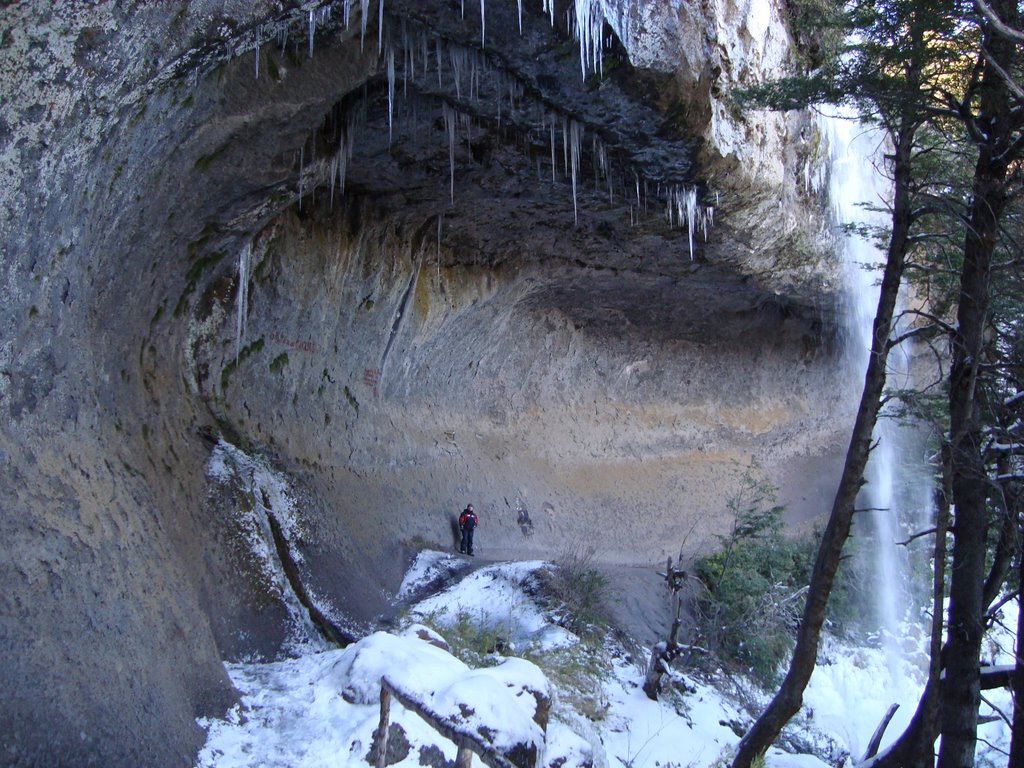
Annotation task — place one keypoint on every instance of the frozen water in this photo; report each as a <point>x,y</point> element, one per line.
<point>242,316</point>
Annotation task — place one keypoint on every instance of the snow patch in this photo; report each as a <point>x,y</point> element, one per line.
<point>321,709</point>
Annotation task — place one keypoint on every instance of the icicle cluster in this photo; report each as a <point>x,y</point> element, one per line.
<point>409,51</point>
<point>682,208</point>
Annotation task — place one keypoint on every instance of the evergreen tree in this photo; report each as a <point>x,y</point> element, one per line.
<point>934,74</point>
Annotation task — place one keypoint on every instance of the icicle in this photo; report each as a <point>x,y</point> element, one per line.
<point>380,27</point>
<point>437,48</point>
<point>425,50</point>
<point>345,143</point>
<point>576,137</point>
<point>682,207</point>
<point>440,218</point>
<point>241,319</point>
<point>589,24</point>
<point>312,29</point>
<point>364,12</point>
<point>302,166</point>
<point>691,216</point>
<point>391,89</point>
<point>497,96</point>
<point>565,146</point>
<point>473,89</point>
<point>549,8</point>
<point>408,70</point>
<point>520,4</point>
<point>483,25</point>
<point>553,163</point>
<point>259,32</point>
<point>333,168</point>
<point>449,124</point>
<point>458,60</point>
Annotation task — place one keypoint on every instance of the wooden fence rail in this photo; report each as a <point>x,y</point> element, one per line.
<point>467,741</point>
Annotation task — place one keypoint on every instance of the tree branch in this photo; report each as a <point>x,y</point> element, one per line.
<point>997,23</point>
<point>918,535</point>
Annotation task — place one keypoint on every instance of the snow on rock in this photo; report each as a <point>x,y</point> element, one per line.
<point>321,709</point>
<point>264,493</point>
<point>428,567</point>
<point>413,663</point>
<point>873,680</point>
<point>493,597</point>
<point>496,700</point>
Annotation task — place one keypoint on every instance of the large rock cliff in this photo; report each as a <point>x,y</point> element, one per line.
<point>411,258</point>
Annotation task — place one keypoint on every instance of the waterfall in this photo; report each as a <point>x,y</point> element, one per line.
<point>855,183</point>
<point>896,496</point>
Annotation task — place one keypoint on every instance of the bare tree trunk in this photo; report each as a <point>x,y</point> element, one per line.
<point>663,654</point>
<point>876,737</point>
<point>788,699</point>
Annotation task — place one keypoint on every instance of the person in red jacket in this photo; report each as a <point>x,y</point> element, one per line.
<point>468,521</point>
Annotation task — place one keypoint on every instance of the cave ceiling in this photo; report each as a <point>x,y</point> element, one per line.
<point>507,149</point>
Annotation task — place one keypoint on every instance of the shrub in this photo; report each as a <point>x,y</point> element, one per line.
<point>578,590</point>
<point>473,640</point>
<point>753,585</point>
<point>577,672</point>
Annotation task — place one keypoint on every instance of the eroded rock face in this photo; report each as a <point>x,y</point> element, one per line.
<point>453,324</point>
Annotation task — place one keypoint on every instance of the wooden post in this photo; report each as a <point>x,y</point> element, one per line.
<point>380,736</point>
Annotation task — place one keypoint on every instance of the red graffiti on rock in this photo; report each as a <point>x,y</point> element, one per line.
<point>300,344</point>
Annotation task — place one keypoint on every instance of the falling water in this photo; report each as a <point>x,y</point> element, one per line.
<point>894,494</point>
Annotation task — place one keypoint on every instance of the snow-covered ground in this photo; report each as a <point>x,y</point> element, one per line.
<point>320,709</point>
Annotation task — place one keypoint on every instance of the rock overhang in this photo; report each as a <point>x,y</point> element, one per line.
<point>506,153</point>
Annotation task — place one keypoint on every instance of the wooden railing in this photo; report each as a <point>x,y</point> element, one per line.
<point>522,755</point>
